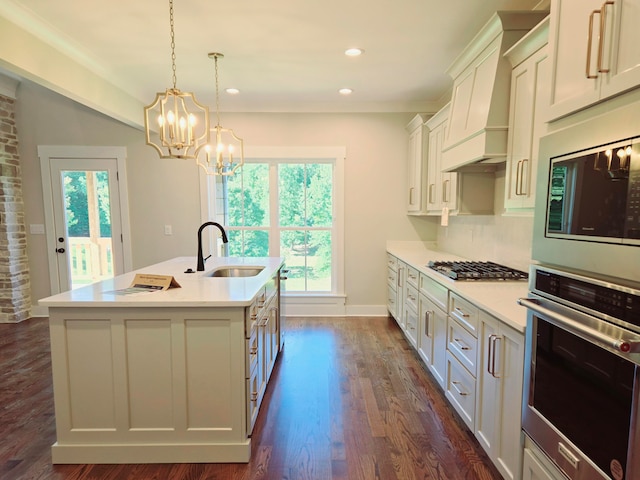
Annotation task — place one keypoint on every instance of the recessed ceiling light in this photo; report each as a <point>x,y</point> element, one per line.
<point>353,52</point>
<point>232,91</point>
<point>345,91</point>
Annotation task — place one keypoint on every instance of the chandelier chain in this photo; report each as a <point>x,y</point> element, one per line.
<point>217,93</point>
<point>173,45</point>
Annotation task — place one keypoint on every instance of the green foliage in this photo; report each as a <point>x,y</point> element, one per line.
<point>76,202</point>
<point>305,203</point>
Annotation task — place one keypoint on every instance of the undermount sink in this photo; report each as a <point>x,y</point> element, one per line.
<point>236,271</point>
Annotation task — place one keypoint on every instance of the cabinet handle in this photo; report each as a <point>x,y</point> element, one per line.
<point>460,345</point>
<point>589,42</point>
<point>524,162</point>
<point>431,187</point>
<point>460,312</point>
<point>491,357</point>
<point>445,196</point>
<point>457,389</point>
<point>603,27</point>
<point>427,322</point>
<point>400,277</point>
<point>411,195</point>
<point>518,174</point>
<point>254,396</point>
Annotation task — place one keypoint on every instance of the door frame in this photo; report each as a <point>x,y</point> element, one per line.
<point>48,152</point>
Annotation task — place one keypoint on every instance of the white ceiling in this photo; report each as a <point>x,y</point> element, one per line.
<point>283,55</point>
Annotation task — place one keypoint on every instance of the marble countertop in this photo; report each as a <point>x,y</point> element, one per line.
<point>197,289</point>
<point>497,298</point>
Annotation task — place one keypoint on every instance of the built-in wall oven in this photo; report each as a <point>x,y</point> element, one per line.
<point>582,381</point>
<point>582,361</point>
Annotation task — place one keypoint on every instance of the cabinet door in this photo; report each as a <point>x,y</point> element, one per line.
<point>414,171</point>
<point>572,39</point>
<point>434,184</point>
<point>529,99</point>
<point>425,330</point>
<point>621,55</point>
<point>498,414</point>
<point>439,336</point>
<point>532,468</point>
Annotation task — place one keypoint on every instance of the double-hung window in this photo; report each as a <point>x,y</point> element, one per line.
<point>288,202</point>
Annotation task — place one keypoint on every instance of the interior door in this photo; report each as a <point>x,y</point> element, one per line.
<point>84,219</point>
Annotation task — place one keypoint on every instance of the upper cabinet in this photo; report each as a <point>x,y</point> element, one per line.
<point>479,115</point>
<point>527,112</point>
<point>441,186</point>
<point>594,52</point>
<point>416,166</point>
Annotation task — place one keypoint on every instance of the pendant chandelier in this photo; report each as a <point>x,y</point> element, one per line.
<point>226,155</point>
<point>182,123</point>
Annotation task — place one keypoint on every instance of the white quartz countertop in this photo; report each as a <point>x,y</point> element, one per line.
<point>498,298</point>
<point>197,289</point>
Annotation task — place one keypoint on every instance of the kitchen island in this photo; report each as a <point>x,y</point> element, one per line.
<point>173,376</point>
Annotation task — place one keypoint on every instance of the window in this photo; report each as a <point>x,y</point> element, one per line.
<point>289,205</point>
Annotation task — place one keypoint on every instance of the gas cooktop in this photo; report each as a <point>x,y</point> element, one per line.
<point>477,271</point>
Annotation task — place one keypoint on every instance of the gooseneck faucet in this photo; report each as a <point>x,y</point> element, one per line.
<point>200,267</point>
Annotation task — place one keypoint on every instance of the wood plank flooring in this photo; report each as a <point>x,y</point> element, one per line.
<point>349,400</point>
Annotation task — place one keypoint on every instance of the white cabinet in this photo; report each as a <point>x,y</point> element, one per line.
<point>529,99</point>
<point>392,286</point>
<point>432,327</point>
<point>595,54</point>
<point>409,322</point>
<point>416,166</point>
<point>442,187</point>
<point>535,465</point>
<point>499,393</point>
<point>461,356</point>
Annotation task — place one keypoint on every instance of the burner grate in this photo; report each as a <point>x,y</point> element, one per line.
<point>472,270</point>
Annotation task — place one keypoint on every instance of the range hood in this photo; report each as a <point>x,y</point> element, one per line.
<point>477,131</point>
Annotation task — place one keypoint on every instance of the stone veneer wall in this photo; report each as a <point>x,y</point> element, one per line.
<point>15,292</point>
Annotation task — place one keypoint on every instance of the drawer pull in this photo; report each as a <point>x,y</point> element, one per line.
<point>457,389</point>
<point>461,312</point>
<point>254,396</point>
<point>460,344</point>
<point>253,350</point>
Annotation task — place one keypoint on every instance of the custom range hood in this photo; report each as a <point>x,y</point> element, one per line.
<point>477,131</point>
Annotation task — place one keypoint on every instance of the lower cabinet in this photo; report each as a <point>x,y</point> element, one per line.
<point>476,358</point>
<point>499,394</point>
<point>432,337</point>
<point>535,466</point>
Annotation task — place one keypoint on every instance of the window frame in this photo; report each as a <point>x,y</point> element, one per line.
<point>212,202</point>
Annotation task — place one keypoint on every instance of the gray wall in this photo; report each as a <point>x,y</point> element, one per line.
<point>167,191</point>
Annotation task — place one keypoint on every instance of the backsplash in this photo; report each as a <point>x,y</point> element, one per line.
<point>501,239</point>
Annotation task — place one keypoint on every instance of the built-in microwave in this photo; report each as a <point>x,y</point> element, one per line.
<point>587,213</point>
<point>594,194</point>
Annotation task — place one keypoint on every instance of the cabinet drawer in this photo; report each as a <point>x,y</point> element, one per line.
<point>252,400</point>
<point>461,390</point>
<point>462,345</point>
<point>413,277</point>
<point>392,262</point>
<point>411,298</point>
<point>392,301</point>
<point>464,312</point>
<point>438,293</point>
<point>251,319</point>
<point>392,278</point>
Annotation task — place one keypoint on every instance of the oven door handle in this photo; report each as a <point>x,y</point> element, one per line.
<point>618,344</point>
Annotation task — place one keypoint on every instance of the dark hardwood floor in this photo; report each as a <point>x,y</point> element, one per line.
<point>349,400</point>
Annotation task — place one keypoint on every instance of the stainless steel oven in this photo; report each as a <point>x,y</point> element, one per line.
<point>582,382</point>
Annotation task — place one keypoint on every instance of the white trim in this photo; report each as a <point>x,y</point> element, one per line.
<point>8,85</point>
<point>46,153</point>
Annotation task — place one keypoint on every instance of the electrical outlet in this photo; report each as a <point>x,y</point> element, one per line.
<point>168,230</point>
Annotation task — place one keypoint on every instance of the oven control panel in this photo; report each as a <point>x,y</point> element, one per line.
<point>606,300</point>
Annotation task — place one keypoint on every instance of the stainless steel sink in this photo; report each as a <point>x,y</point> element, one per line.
<point>236,271</point>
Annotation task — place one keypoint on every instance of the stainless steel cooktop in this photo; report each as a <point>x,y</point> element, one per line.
<point>471,270</point>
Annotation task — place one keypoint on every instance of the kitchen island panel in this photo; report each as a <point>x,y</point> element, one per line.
<point>149,385</point>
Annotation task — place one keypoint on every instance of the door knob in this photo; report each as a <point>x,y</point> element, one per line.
<point>60,250</point>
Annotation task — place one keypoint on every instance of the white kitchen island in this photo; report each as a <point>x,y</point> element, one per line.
<point>173,376</point>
